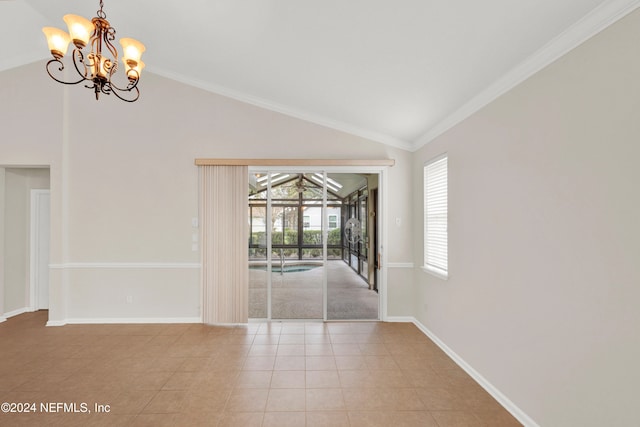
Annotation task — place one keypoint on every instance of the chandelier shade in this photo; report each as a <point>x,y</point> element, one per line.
<point>80,29</point>
<point>58,41</point>
<point>97,64</point>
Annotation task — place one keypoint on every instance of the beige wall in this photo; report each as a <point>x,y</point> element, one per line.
<point>544,231</point>
<point>16,207</point>
<point>124,185</point>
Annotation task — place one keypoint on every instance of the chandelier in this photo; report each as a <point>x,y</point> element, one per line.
<point>100,63</point>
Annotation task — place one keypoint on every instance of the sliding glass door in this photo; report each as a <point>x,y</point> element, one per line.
<point>287,247</point>
<point>313,245</point>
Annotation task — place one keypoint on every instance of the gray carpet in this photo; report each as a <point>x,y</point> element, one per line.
<point>298,295</point>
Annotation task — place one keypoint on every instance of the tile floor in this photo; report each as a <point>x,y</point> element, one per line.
<point>279,374</point>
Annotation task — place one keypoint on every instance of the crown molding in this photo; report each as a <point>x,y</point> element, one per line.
<point>284,109</point>
<point>22,60</point>
<point>591,24</point>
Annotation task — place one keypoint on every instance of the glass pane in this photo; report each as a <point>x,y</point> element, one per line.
<point>297,285</point>
<point>257,257</point>
<point>349,294</point>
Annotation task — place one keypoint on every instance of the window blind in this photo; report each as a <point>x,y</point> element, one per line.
<point>435,216</point>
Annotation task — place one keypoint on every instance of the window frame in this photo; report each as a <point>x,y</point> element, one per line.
<point>434,265</point>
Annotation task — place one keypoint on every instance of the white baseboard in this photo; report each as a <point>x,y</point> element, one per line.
<point>518,413</point>
<point>56,323</point>
<point>400,319</point>
<point>3,319</point>
<point>16,312</point>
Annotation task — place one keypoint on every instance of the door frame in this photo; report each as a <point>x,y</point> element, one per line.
<point>382,171</point>
<point>36,232</point>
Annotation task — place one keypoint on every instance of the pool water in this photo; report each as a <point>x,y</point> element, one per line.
<point>287,268</point>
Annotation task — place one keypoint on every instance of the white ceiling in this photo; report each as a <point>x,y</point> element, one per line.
<point>399,72</point>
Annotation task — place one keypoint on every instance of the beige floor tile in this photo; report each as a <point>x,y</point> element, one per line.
<point>288,379</point>
<point>197,419</point>
<point>263,350</point>
<point>346,350</point>
<point>318,350</point>
<point>284,400</point>
<point>291,350</point>
<point>380,363</point>
<point>181,381</point>
<point>441,399</point>
<point>259,363</point>
<point>358,379</point>
<point>241,419</point>
<point>289,363</point>
<point>247,400</point>
<point>154,420</point>
<point>391,418</point>
<point>320,363</point>
<point>129,401</point>
<point>317,339</point>
<point>457,419</point>
<point>254,379</point>
<point>327,419</point>
<point>496,418</point>
<point>284,419</point>
<point>322,379</point>
<point>292,338</point>
<point>374,349</point>
<point>324,400</point>
<point>351,362</point>
<point>205,400</point>
<point>165,402</point>
<point>193,364</point>
<point>290,373</point>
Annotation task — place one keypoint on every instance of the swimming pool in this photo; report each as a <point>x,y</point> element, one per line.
<point>293,268</point>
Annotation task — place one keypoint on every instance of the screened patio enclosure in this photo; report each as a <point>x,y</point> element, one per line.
<point>301,263</point>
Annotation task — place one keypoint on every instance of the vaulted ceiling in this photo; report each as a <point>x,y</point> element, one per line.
<point>399,72</point>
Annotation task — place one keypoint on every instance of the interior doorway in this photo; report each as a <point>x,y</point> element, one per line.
<point>24,236</point>
<point>302,242</point>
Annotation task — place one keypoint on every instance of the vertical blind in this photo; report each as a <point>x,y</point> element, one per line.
<point>224,234</point>
<point>435,216</point>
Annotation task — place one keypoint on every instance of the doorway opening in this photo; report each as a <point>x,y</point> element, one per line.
<point>24,239</point>
<point>313,245</point>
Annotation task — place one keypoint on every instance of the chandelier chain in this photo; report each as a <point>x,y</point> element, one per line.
<point>101,13</point>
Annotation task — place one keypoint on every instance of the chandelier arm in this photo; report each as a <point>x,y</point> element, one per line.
<point>133,90</point>
<point>133,82</point>
<point>78,58</point>
<point>61,68</point>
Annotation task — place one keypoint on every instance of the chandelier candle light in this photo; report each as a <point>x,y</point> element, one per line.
<point>101,62</point>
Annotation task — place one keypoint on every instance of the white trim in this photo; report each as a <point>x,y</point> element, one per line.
<point>285,109</point>
<point>401,265</point>
<point>591,24</point>
<point>401,319</point>
<point>17,312</point>
<point>125,320</point>
<point>518,413</point>
<point>125,265</point>
<point>3,319</point>
<point>56,323</point>
<point>435,272</point>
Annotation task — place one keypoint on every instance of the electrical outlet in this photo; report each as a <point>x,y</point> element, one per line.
<point>129,299</point>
